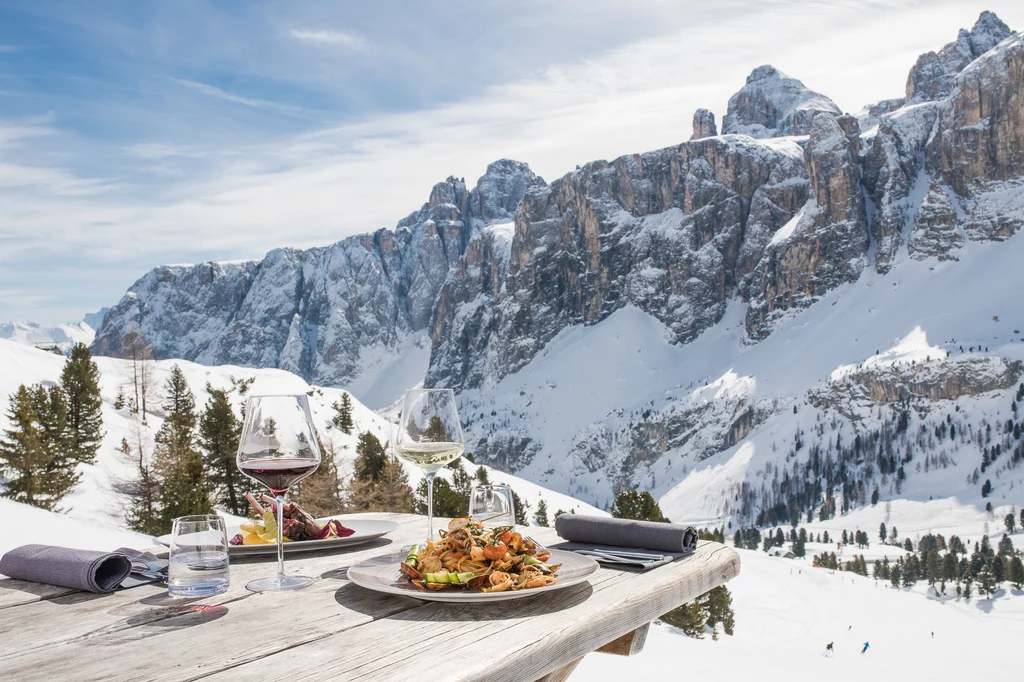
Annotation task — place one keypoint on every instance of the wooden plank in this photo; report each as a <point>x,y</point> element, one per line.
<point>562,674</point>
<point>630,644</point>
<point>534,637</point>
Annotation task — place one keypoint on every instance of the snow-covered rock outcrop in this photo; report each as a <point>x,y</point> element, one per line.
<point>931,78</point>
<point>772,104</point>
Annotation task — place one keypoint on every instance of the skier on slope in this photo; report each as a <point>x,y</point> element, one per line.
<point>866,645</point>
<point>828,649</point>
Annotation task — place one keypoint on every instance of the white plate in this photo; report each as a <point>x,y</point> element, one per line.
<point>365,530</point>
<point>382,574</point>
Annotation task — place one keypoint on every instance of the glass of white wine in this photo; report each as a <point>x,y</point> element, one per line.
<point>429,436</point>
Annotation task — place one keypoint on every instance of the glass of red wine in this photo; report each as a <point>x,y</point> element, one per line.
<point>278,448</point>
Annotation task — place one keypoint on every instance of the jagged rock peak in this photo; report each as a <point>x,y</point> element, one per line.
<point>772,104</point>
<point>500,189</point>
<point>932,75</point>
<point>703,124</point>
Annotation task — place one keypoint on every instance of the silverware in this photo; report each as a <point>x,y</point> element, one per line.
<point>621,556</point>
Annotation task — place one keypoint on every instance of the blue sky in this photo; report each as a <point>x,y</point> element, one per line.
<point>139,133</point>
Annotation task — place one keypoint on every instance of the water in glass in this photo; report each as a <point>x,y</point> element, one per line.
<point>199,557</point>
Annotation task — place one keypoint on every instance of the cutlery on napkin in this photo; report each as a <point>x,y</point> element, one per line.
<point>83,569</point>
<point>625,543</point>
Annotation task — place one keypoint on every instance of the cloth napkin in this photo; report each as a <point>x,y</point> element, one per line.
<point>81,569</point>
<point>584,532</point>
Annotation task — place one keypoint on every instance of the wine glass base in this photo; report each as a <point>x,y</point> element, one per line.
<point>284,583</point>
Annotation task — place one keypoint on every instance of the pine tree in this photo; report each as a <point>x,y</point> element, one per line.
<point>987,580</point>
<point>522,509</point>
<point>481,476</point>
<point>1010,523</point>
<point>343,414</point>
<point>541,516</point>
<point>719,603</point>
<point>184,488</point>
<point>80,381</point>
<point>874,497</point>
<point>371,459</point>
<point>630,504</point>
<point>1015,574</point>
<point>32,454</point>
<point>219,432</point>
<point>691,618</point>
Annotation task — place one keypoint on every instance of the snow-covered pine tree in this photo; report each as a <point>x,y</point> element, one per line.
<point>80,381</point>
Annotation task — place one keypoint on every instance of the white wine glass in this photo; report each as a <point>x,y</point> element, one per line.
<point>429,436</point>
<point>278,448</point>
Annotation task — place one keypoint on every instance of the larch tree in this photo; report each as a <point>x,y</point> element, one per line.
<point>80,380</point>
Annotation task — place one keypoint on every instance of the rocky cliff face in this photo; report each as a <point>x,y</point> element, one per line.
<point>827,243</point>
<point>931,78</point>
<point>673,232</point>
<point>316,312</point>
<point>773,104</point>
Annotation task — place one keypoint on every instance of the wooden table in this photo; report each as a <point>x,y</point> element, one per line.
<point>335,630</point>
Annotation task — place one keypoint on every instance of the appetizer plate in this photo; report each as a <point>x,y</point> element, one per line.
<point>365,530</point>
<point>382,574</point>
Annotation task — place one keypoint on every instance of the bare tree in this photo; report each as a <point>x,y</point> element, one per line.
<point>140,352</point>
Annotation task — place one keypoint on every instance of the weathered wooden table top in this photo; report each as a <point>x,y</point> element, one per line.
<point>335,630</point>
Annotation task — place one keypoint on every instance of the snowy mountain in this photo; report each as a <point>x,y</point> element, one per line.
<point>354,310</point>
<point>61,336</point>
<point>712,321</point>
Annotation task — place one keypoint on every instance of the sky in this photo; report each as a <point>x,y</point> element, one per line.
<point>135,134</point>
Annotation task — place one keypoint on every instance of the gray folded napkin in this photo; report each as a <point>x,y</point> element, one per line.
<point>80,569</point>
<point>599,532</point>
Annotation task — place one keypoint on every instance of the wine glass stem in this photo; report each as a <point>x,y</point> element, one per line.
<point>430,505</point>
<point>280,536</point>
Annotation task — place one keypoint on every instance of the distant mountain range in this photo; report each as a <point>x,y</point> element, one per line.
<point>680,320</point>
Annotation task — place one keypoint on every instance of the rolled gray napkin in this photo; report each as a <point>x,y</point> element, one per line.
<point>80,569</point>
<point>602,530</point>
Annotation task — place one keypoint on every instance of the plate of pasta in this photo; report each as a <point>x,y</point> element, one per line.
<point>469,562</point>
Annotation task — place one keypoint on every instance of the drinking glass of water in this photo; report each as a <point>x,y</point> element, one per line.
<point>199,556</point>
<point>492,505</point>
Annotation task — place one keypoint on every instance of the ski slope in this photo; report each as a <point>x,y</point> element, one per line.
<point>786,612</point>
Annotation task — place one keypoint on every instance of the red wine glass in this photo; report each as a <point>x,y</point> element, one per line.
<point>278,448</point>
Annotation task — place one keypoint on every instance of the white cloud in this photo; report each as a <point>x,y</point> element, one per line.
<point>352,41</point>
<point>214,91</point>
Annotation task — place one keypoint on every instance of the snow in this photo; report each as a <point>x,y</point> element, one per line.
<point>34,334</point>
<point>786,612</point>
<point>913,347</point>
<point>787,230</point>
<point>385,374</point>
<point>25,525</point>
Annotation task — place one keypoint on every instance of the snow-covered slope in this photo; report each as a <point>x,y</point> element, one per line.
<point>62,336</point>
<point>95,500</point>
<point>786,612</point>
